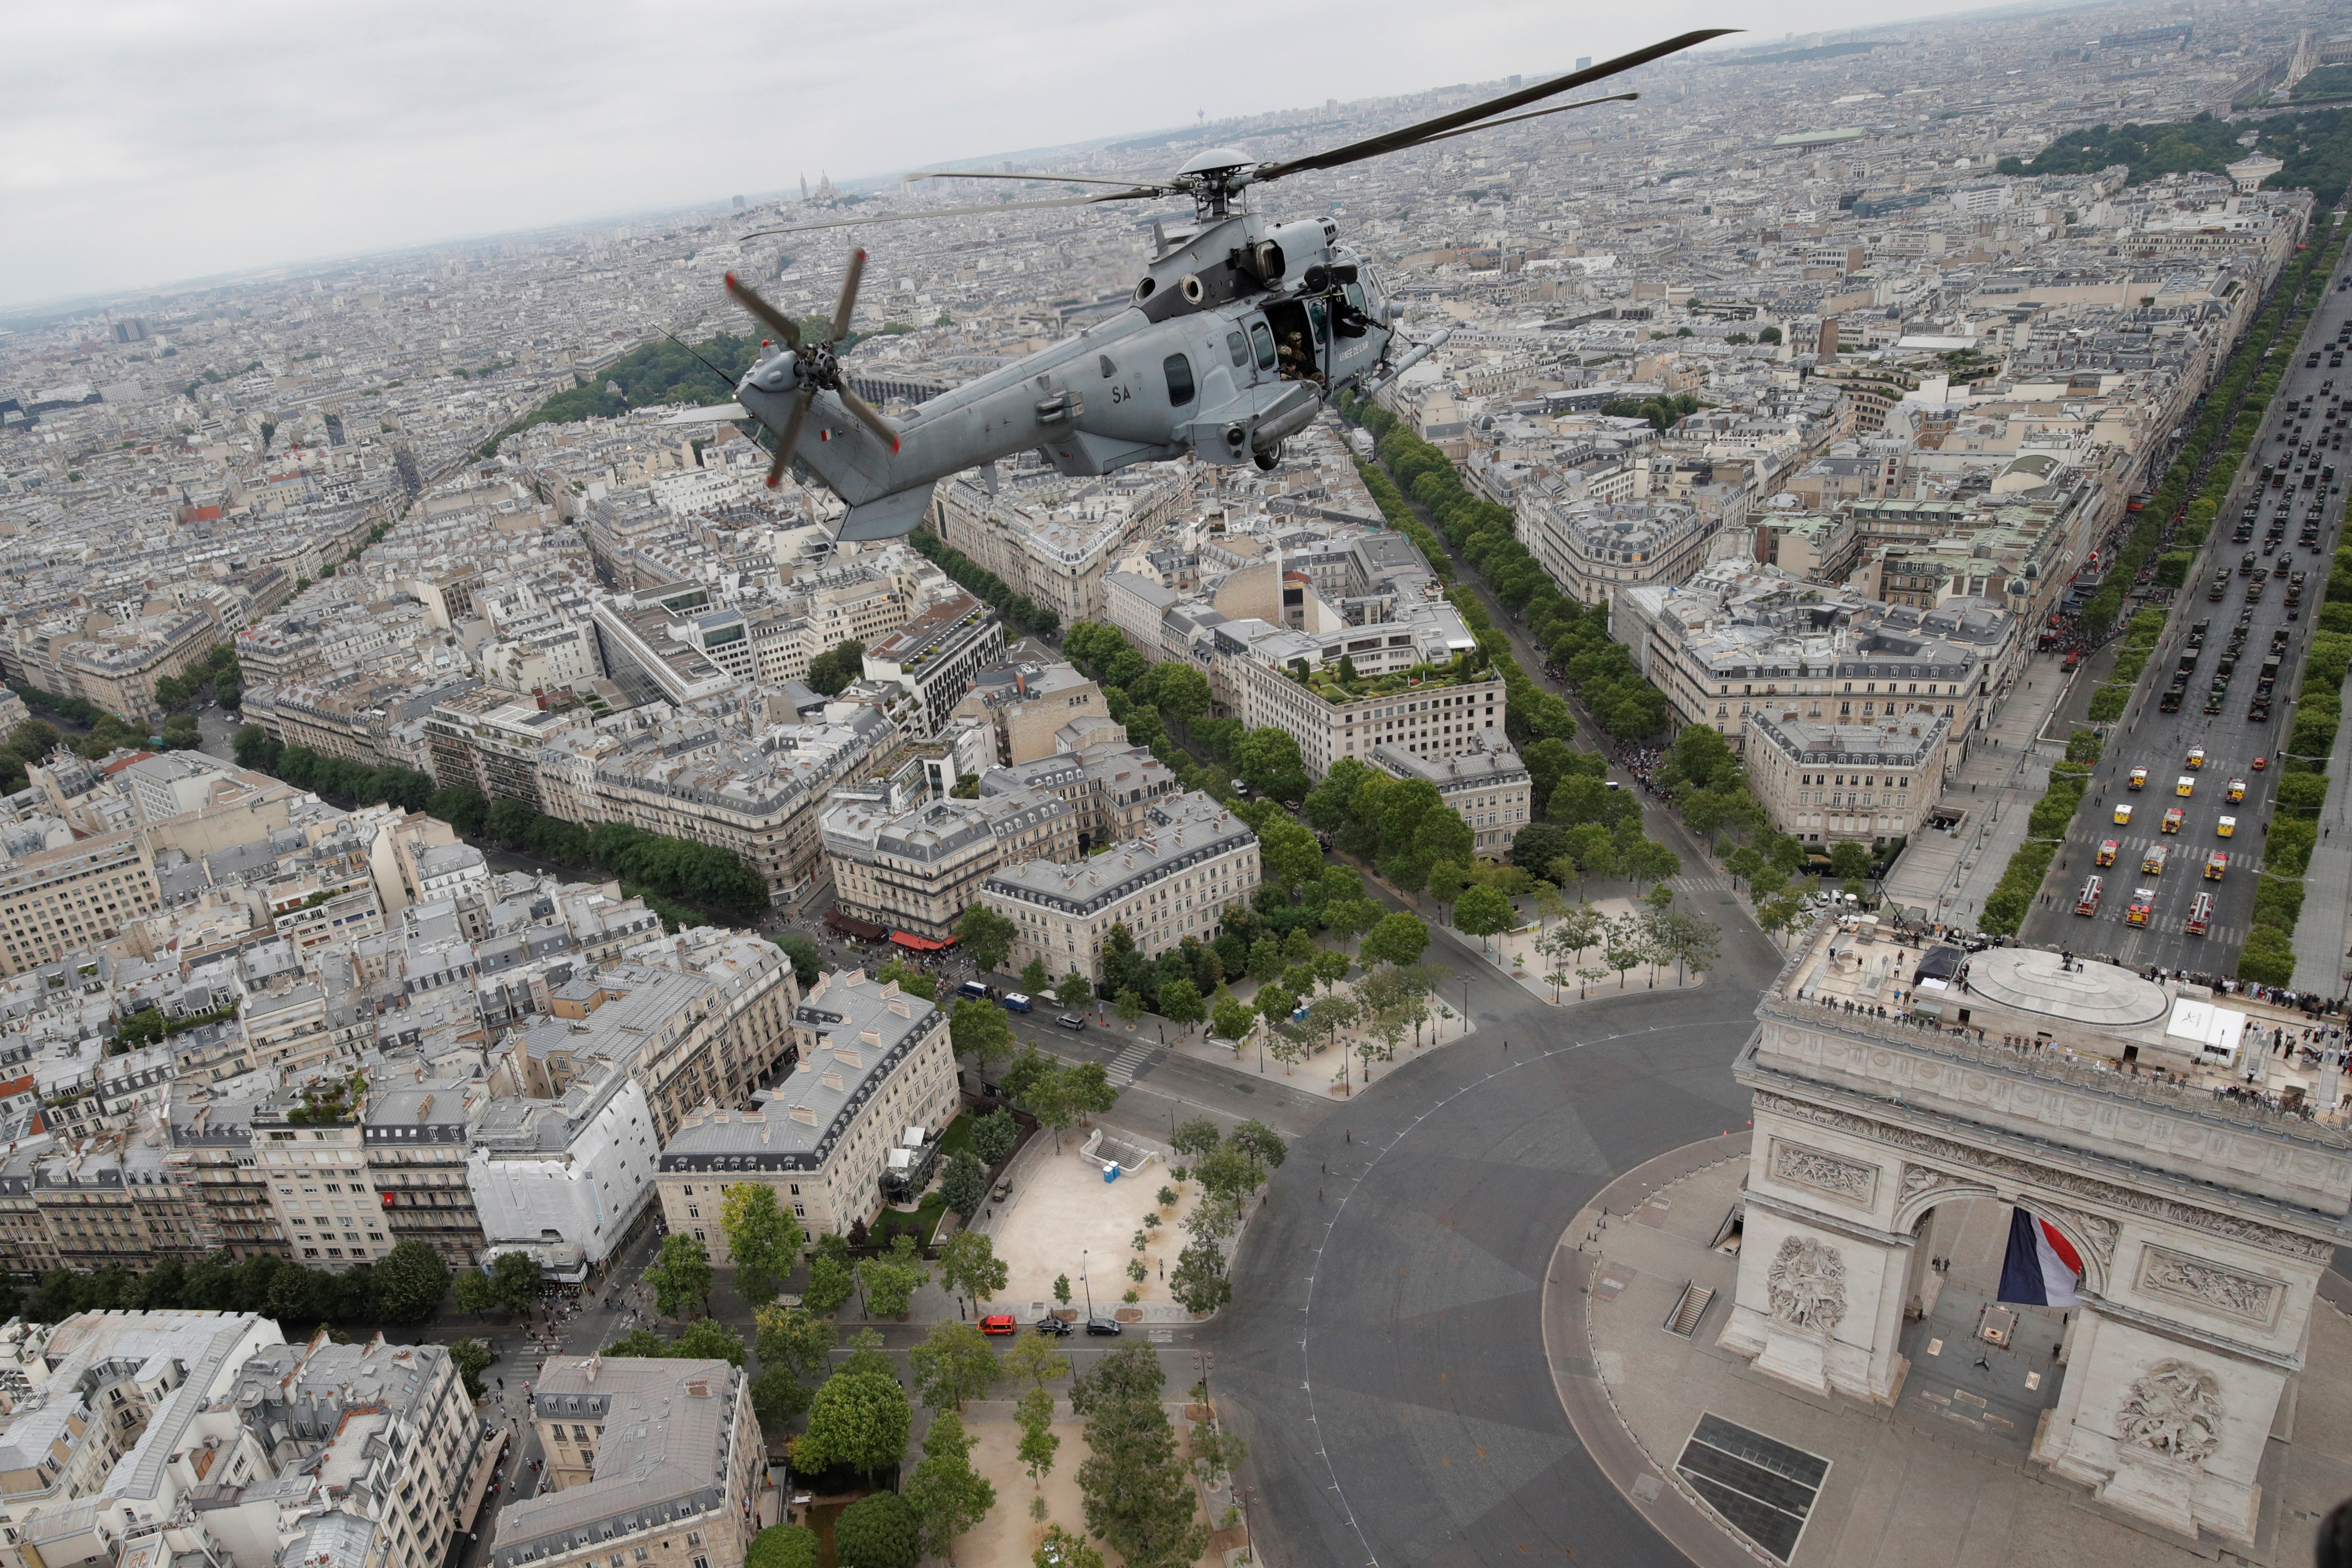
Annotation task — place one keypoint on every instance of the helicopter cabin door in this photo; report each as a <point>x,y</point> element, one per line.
<point>1302,336</point>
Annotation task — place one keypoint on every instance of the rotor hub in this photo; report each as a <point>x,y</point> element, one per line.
<point>819,366</point>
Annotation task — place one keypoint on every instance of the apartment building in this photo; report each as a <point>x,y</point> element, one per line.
<point>1109,787</point>
<point>76,897</point>
<point>1036,710</point>
<point>1173,880</point>
<point>212,1152</point>
<point>874,1060</point>
<point>917,870</point>
<point>417,1136</point>
<point>1433,717</point>
<point>1596,550</point>
<point>1824,782</point>
<point>1489,786</point>
<point>575,1169</point>
<point>490,738</point>
<point>938,655</point>
<point>655,1461</point>
<point>319,1184</point>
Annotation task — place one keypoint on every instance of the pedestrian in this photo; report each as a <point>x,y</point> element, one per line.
<point>1352,1135</point>
<point>1326,1167</point>
<point>1319,1195</point>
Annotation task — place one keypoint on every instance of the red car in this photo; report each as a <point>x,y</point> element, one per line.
<point>1000,1323</point>
<point>2260,763</point>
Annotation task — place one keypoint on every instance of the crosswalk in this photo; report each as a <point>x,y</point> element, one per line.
<point>1702,883</point>
<point>1129,1062</point>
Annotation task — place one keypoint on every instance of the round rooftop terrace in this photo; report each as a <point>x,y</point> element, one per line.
<point>2100,996</point>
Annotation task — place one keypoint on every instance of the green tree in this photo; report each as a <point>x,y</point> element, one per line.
<point>409,1282</point>
<point>1270,764</point>
<point>1199,1284</point>
<point>1482,912</point>
<point>461,805</point>
<point>807,962</point>
<point>1038,1442</point>
<point>969,1267</point>
<point>1089,1089</point>
<point>680,1275</point>
<point>1137,1497</point>
<point>1231,1019</point>
<point>1033,978</point>
<point>945,1492</point>
<point>783,1546</point>
<point>763,1239</point>
<point>472,1291</point>
<point>890,1280</point>
<point>1398,939</point>
<point>881,1530</point>
<point>1060,1549</point>
<point>978,1030</point>
<point>1181,1003</point>
<point>472,1357</point>
<point>953,1362</point>
<point>993,1137</point>
<point>965,1184</point>
<point>987,936</point>
<point>1075,991</point>
<point>794,1337</point>
<point>859,1418</point>
<point>641,1342</point>
<point>515,1283</point>
<point>778,1396</point>
<point>1849,860</point>
<point>706,1339</point>
<point>1035,1360</point>
<point>831,1282</point>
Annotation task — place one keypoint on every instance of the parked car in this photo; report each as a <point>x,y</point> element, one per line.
<point>1015,1002</point>
<point>974,989</point>
<point>999,1323</point>
<point>1102,1325</point>
<point>1071,1021</point>
<point>1050,1324</point>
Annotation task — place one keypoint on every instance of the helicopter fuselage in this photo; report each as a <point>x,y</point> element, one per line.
<point>1237,334</point>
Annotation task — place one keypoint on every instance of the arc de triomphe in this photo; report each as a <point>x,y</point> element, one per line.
<point>2087,1095</point>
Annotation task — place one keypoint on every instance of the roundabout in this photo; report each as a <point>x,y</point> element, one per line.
<point>1385,1353</point>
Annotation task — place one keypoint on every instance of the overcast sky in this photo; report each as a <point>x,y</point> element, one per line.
<point>149,142</point>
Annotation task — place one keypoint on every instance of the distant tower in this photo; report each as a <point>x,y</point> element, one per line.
<point>804,190</point>
<point>737,203</point>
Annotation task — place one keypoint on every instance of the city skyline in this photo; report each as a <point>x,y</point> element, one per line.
<point>403,123</point>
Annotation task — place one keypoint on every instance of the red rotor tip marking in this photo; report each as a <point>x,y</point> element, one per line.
<point>861,254</point>
<point>731,280</point>
<point>775,481</point>
<point>894,449</point>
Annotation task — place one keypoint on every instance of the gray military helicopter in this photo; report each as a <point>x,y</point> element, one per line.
<point>1238,332</point>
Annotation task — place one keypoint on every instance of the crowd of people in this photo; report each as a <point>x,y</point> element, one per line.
<point>1642,761</point>
<point>2310,1004</point>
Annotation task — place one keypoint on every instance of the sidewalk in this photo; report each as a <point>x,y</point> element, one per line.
<point>1950,874</point>
<point>2324,930</point>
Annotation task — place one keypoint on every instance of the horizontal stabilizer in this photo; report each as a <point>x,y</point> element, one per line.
<point>892,516</point>
<point>704,415</point>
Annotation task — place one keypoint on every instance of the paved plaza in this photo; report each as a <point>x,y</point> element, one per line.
<point>1944,1478</point>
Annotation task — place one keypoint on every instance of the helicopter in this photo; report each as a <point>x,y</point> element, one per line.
<point>1239,331</point>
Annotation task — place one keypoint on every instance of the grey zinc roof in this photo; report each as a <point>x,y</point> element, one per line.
<point>669,1430</point>
<point>865,1028</point>
<point>1181,832</point>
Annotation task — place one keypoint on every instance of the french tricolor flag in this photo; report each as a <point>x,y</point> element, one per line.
<point>2043,1268</point>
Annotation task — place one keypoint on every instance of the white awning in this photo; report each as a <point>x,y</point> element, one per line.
<point>2212,1029</point>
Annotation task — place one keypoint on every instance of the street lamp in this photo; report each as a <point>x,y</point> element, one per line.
<point>1087,1284</point>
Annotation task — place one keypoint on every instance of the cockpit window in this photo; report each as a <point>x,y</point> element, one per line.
<point>1178,371</point>
<point>1263,341</point>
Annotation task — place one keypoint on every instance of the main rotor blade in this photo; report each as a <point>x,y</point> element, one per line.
<point>749,297</point>
<point>1515,118</point>
<point>993,174</point>
<point>847,306</point>
<point>864,413</point>
<point>1430,129</point>
<point>1142,193</point>
<point>789,436</point>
